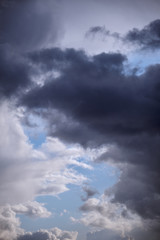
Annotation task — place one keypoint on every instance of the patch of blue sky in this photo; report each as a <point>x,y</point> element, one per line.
<point>141,60</point>
<point>36,139</point>
<point>102,175</point>
<point>67,204</point>
<point>35,130</point>
<point>62,208</point>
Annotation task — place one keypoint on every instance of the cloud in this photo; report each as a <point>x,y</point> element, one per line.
<point>103,214</point>
<point>87,100</point>
<point>147,38</point>
<point>97,30</point>
<point>93,102</point>
<point>14,71</point>
<point>29,24</point>
<point>137,234</point>
<point>55,233</point>
<point>25,172</point>
<point>102,31</point>
<point>106,235</point>
<point>90,192</point>
<point>75,91</point>
<point>31,209</point>
<point>9,224</point>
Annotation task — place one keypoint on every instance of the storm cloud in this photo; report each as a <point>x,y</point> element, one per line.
<point>147,37</point>
<point>27,25</point>
<point>103,105</point>
<point>14,72</point>
<point>92,101</point>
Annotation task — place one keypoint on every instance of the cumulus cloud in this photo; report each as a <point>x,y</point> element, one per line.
<point>103,214</point>
<point>52,234</point>
<point>31,209</point>
<point>9,224</point>
<point>100,105</point>
<point>89,100</point>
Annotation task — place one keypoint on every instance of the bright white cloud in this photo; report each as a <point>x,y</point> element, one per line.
<point>31,209</point>
<point>9,224</point>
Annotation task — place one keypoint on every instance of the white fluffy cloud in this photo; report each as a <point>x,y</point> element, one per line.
<point>52,234</point>
<point>31,209</point>
<point>26,172</point>
<point>102,213</point>
<point>9,224</point>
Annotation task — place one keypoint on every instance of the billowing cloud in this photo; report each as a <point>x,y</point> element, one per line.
<point>55,233</point>
<point>103,214</point>
<point>100,104</point>
<point>87,100</point>
<point>26,172</point>
<point>9,224</point>
<point>31,209</point>
<point>147,38</point>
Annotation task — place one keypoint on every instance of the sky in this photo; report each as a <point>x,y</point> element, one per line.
<point>79,120</point>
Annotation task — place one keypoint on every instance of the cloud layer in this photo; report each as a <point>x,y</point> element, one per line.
<point>86,102</point>
<point>52,234</point>
<point>103,105</point>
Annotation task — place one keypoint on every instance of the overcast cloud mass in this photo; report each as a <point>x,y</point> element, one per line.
<point>73,99</point>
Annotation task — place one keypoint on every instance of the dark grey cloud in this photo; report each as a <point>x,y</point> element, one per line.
<point>28,24</point>
<point>97,29</point>
<point>147,38</point>
<point>95,92</point>
<point>106,235</point>
<point>92,101</point>
<point>137,234</point>
<point>24,26</point>
<point>101,30</point>
<point>89,192</point>
<point>14,72</point>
